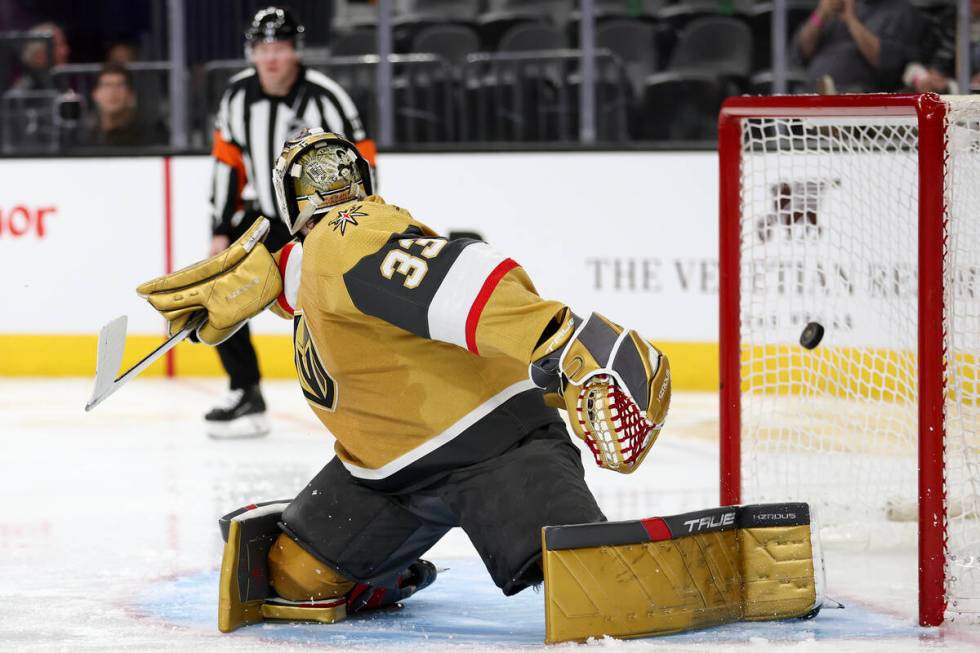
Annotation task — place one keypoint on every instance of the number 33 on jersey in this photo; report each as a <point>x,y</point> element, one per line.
<point>410,347</point>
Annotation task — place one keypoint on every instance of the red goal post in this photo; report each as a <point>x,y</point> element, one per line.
<point>816,131</point>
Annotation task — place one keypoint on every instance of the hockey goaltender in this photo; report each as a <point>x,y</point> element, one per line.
<point>439,369</point>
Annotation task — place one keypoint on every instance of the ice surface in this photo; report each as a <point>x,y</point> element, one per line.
<point>109,538</point>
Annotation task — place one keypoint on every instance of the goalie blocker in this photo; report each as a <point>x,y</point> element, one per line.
<point>671,574</point>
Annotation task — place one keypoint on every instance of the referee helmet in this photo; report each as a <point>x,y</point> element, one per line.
<point>273,24</point>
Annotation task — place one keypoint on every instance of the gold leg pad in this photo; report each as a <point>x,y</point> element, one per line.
<point>322,614</point>
<point>297,576</point>
<point>777,572</point>
<point>639,589</point>
<point>678,579</point>
<point>232,611</point>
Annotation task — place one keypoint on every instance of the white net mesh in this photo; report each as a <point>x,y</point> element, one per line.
<point>962,326</point>
<point>829,234</point>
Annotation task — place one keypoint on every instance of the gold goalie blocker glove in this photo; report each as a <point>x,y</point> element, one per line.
<point>614,384</point>
<point>231,287</point>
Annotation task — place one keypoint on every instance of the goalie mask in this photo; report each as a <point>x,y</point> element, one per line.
<point>315,171</point>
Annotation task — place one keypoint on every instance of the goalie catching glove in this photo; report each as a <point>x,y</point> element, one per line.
<point>615,386</point>
<point>231,287</point>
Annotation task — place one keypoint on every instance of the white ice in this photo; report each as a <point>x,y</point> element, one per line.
<point>109,538</point>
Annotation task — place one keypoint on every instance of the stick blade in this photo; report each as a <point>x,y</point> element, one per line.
<point>112,345</point>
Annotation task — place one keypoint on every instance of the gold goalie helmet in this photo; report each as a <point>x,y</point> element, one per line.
<point>315,171</point>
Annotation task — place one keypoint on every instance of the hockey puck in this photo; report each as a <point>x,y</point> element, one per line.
<point>812,335</point>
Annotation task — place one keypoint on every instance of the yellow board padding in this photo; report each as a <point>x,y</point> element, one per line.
<point>74,355</point>
<point>842,372</point>
<point>67,355</point>
<point>690,582</point>
<point>694,365</point>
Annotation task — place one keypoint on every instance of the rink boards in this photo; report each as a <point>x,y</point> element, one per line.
<point>629,237</point>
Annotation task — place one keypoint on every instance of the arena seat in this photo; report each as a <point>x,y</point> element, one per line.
<point>681,106</point>
<point>719,45</point>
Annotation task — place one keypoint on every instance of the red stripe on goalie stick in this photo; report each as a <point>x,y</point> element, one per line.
<point>168,248</point>
<point>657,529</point>
<point>473,318</point>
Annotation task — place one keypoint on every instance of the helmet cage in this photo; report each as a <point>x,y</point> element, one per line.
<point>285,190</point>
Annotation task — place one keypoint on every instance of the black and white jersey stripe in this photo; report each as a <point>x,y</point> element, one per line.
<point>446,303</point>
<point>257,125</point>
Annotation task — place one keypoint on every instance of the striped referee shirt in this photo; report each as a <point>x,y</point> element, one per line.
<point>251,128</point>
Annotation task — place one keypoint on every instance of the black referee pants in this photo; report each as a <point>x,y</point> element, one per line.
<point>237,353</point>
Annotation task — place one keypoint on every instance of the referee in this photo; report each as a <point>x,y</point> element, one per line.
<point>261,107</point>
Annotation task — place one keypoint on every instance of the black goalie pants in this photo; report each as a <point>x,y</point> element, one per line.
<point>501,504</point>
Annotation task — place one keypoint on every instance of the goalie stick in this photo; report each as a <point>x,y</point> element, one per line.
<point>112,344</point>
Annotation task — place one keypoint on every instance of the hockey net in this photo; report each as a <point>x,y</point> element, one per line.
<point>824,203</point>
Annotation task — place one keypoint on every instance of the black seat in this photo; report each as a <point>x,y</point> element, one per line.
<point>518,99</point>
<point>424,108</point>
<point>451,10</point>
<point>679,15</point>
<point>620,8</point>
<point>516,109</point>
<point>451,42</point>
<point>613,107</point>
<point>718,45</point>
<point>606,10</point>
<point>529,37</point>
<point>27,122</point>
<point>634,42</point>
<point>555,9</point>
<point>407,26</point>
<point>933,8</point>
<point>681,106</point>
<point>363,40</point>
<point>493,25</point>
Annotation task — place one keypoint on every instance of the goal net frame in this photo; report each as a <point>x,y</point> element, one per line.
<point>929,111</point>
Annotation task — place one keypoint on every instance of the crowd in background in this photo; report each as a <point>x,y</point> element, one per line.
<point>840,46</point>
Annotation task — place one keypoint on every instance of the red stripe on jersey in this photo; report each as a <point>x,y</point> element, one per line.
<point>473,318</point>
<point>283,260</point>
<point>657,529</point>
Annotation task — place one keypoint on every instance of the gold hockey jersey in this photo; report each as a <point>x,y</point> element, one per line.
<point>412,349</point>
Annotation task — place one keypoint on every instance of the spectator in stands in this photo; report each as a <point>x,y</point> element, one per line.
<point>37,68</point>
<point>936,72</point>
<point>115,122</point>
<point>859,45</point>
<point>122,53</point>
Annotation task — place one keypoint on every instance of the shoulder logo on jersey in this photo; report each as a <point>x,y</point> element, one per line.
<point>319,388</point>
<point>345,218</point>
